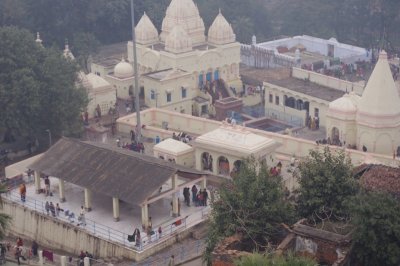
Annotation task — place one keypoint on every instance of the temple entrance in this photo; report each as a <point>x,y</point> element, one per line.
<point>335,135</point>
<point>216,75</point>
<point>223,166</point>
<point>206,162</point>
<point>209,76</point>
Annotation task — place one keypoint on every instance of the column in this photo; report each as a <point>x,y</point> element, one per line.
<point>63,260</point>
<point>145,215</point>
<point>175,198</point>
<point>203,184</point>
<point>61,190</point>
<point>88,200</point>
<point>116,209</point>
<point>37,182</point>
<point>215,164</point>
<point>40,254</point>
<point>86,261</point>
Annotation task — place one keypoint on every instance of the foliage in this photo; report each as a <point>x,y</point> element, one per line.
<point>257,259</point>
<point>84,45</point>
<point>4,218</point>
<point>251,204</point>
<point>376,238</point>
<point>326,184</point>
<point>37,87</point>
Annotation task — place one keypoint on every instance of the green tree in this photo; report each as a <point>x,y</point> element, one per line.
<point>326,184</point>
<point>376,217</point>
<point>37,87</point>
<point>84,45</point>
<point>257,259</point>
<point>251,204</point>
<point>4,218</point>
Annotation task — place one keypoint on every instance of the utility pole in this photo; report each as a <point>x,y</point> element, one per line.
<point>138,134</point>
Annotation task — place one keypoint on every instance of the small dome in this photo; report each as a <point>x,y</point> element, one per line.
<point>344,107</point>
<point>123,70</point>
<point>146,32</point>
<point>178,41</point>
<point>67,52</point>
<point>220,31</point>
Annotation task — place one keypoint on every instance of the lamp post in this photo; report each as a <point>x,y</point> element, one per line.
<point>49,132</point>
<point>135,68</point>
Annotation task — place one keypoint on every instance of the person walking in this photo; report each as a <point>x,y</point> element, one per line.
<point>194,194</point>
<point>47,185</point>
<point>35,247</point>
<point>47,207</point>
<point>22,192</point>
<point>171,261</point>
<point>52,209</point>
<point>82,218</point>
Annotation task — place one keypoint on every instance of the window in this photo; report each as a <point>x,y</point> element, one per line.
<point>168,97</point>
<point>271,98</point>
<point>183,92</point>
<point>152,95</point>
<point>316,112</point>
<point>277,100</point>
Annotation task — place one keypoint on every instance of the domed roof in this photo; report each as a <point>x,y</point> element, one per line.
<point>380,102</point>
<point>95,82</point>
<point>220,31</point>
<point>123,70</point>
<point>347,103</point>
<point>146,32</point>
<point>178,41</point>
<point>344,107</point>
<point>186,14</point>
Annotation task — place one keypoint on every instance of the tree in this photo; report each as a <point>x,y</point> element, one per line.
<point>84,45</point>
<point>376,217</point>
<point>251,204</point>
<point>4,218</point>
<point>257,259</point>
<point>326,184</point>
<point>37,87</point>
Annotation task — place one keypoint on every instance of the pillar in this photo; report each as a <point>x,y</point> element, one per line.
<point>61,190</point>
<point>86,261</point>
<point>175,197</point>
<point>215,164</point>
<point>203,184</point>
<point>88,200</point>
<point>63,260</point>
<point>116,209</point>
<point>145,215</point>
<point>37,182</point>
<point>40,254</point>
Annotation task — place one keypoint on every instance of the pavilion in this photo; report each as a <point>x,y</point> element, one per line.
<point>121,174</point>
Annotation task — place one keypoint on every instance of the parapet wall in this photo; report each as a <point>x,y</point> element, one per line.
<point>59,235</point>
<point>327,81</point>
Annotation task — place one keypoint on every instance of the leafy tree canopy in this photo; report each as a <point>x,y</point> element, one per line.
<point>37,87</point>
<point>376,217</point>
<point>4,218</point>
<point>326,184</point>
<point>257,259</point>
<point>252,204</point>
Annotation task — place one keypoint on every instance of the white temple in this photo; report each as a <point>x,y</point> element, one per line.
<point>372,121</point>
<point>182,45</point>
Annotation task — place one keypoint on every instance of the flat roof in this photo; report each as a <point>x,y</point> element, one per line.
<point>107,53</point>
<point>173,147</point>
<point>256,76</point>
<point>166,74</point>
<point>308,88</point>
<point>202,47</point>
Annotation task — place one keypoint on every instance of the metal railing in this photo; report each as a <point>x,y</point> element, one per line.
<point>108,233</point>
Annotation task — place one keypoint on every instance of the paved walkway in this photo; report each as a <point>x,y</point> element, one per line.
<point>100,220</point>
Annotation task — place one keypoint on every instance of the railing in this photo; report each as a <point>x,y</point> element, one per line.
<point>108,233</point>
<point>183,253</point>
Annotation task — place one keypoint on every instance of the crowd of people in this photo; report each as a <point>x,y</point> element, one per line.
<point>312,123</point>
<point>199,197</point>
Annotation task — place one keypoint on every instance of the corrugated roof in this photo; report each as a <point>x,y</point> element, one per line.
<point>115,172</point>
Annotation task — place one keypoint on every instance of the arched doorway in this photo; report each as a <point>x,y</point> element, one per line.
<point>299,104</point>
<point>290,102</point>
<point>207,161</point>
<point>335,135</point>
<point>223,166</point>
